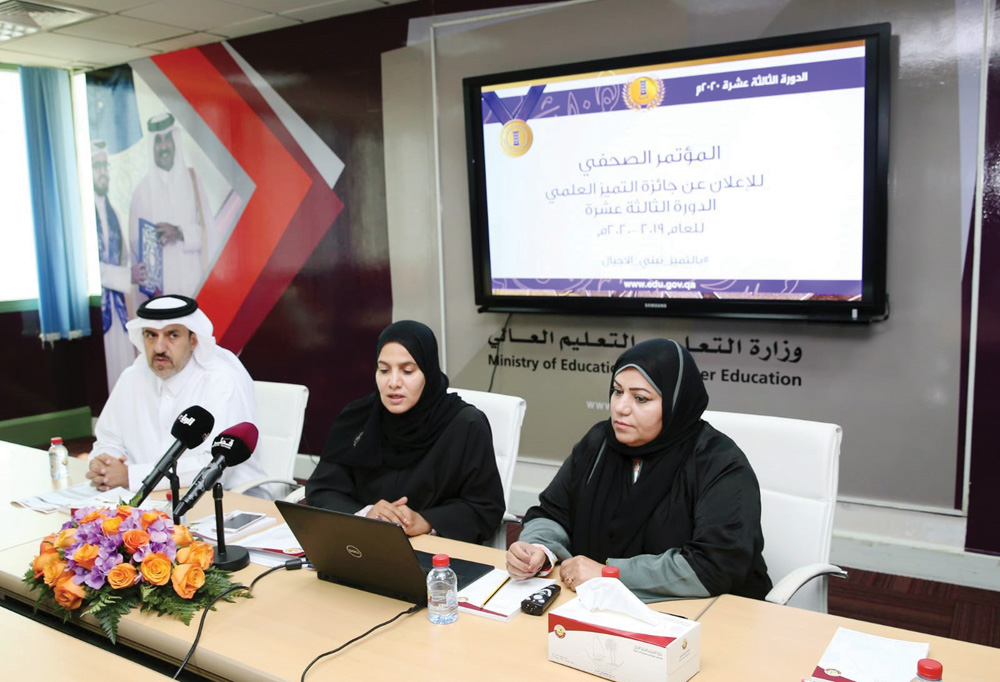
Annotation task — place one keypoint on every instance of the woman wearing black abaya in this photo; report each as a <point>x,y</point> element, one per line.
<point>654,490</point>
<point>411,453</point>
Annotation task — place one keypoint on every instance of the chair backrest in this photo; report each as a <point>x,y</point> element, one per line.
<point>281,409</point>
<point>797,466</point>
<point>505,414</point>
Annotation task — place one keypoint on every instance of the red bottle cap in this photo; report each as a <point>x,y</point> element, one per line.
<point>929,669</point>
<point>57,440</point>
<point>610,572</point>
<point>440,560</point>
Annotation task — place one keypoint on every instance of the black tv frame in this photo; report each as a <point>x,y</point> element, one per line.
<point>874,303</point>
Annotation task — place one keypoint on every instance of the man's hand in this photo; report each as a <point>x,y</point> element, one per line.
<point>139,273</point>
<point>577,570</point>
<point>397,512</point>
<point>108,472</point>
<point>168,233</point>
<point>525,560</point>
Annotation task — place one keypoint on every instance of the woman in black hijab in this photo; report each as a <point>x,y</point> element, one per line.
<point>410,452</point>
<point>654,490</point>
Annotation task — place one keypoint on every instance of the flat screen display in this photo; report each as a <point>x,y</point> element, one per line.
<point>741,180</point>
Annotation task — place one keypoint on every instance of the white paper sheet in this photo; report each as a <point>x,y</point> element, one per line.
<point>861,657</point>
<point>80,496</point>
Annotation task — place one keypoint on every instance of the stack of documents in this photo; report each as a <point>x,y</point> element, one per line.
<point>80,496</point>
<point>273,546</point>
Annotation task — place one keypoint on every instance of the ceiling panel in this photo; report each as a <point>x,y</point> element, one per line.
<point>122,30</point>
<point>269,22</point>
<point>74,49</point>
<point>132,29</point>
<point>284,5</point>
<point>107,6</point>
<point>334,9</point>
<point>197,15</point>
<point>22,59</point>
<point>183,42</point>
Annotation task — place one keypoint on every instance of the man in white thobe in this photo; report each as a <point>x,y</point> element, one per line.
<point>170,218</point>
<point>179,366</point>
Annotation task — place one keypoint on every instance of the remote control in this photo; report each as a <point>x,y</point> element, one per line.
<point>536,604</point>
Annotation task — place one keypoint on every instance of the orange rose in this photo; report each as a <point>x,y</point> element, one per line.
<point>200,554</point>
<point>41,561</point>
<point>67,594</point>
<point>65,538</point>
<point>48,544</point>
<point>121,576</point>
<point>182,536</point>
<point>53,572</point>
<point>93,516</point>
<point>149,518</point>
<point>155,568</point>
<point>187,579</point>
<point>86,555</point>
<point>110,526</point>
<point>124,511</point>
<point>134,539</point>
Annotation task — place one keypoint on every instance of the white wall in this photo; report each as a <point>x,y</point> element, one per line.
<point>893,386</point>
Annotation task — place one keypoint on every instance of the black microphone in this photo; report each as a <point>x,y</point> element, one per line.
<point>190,429</point>
<point>231,447</point>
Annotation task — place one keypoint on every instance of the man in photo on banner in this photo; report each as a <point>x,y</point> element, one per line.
<point>179,366</point>
<point>170,232</point>
<point>116,277</point>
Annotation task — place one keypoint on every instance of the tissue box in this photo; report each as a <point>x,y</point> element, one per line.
<point>618,647</point>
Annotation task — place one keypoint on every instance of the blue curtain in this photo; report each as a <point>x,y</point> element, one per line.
<point>63,304</point>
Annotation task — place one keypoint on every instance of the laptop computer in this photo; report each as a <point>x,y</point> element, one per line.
<point>367,554</point>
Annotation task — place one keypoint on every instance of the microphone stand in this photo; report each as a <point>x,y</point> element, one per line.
<point>232,558</point>
<point>174,490</point>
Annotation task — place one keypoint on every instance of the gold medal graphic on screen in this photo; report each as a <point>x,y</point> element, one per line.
<point>515,137</point>
<point>643,93</point>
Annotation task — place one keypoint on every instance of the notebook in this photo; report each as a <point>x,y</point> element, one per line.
<point>366,554</point>
<point>497,596</point>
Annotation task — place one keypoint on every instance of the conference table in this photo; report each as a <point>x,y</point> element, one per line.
<point>38,652</point>
<point>294,617</point>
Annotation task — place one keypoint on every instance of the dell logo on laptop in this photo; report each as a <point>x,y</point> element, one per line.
<point>354,551</point>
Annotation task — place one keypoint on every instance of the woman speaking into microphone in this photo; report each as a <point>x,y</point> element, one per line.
<point>411,453</point>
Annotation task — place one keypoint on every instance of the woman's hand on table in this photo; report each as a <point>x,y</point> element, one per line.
<point>577,570</point>
<point>397,512</point>
<point>525,560</point>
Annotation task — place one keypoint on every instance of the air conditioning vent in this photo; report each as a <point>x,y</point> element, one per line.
<point>18,18</point>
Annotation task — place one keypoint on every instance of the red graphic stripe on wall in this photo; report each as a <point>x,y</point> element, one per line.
<point>316,214</point>
<point>281,183</point>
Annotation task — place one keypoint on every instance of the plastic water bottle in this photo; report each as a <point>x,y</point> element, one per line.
<point>928,669</point>
<point>58,459</point>
<point>442,592</point>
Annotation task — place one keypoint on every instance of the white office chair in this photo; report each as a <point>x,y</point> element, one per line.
<point>506,415</point>
<point>281,409</point>
<point>797,465</point>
